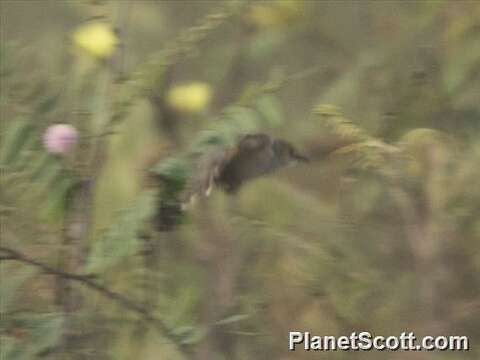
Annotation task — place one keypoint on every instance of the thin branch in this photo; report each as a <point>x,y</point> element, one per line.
<point>188,39</point>
<point>138,83</point>
<point>88,281</point>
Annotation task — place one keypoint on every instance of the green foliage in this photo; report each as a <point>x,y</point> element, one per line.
<point>261,112</point>
<point>365,151</point>
<point>10,286</point>
<point>30,174</point>
<point>120,240</point>
<point>40,332</point>
<point>347,243</point>
<point>24,334</point>
<point>24,164</point>
<point>17,135</point>
<point>270,109</point>
<point>174,172</point>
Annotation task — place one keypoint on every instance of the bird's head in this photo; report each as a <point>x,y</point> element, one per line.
<point>286,153</point>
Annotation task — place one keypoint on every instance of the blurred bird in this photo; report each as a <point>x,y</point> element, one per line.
<point>254,155</point>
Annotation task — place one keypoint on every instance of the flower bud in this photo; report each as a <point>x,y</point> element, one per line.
<point>60,138</point>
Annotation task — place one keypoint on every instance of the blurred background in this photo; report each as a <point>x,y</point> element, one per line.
<point>107,108</point>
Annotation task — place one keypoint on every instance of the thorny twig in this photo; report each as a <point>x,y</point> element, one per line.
<point>89,280</point>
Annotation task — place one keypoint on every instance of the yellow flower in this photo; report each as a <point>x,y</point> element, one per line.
<point>189,98</point>
<point>97,39</point>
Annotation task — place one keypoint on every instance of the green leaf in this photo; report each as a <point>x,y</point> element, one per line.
<point>41,164</point>
<point>47,104</point>
<point>208,139</point>
<point>189,334</point>
<point>241,120</point>
<point>174,170</point>
<point>40,332</point>
<point>120,240</point>
<point>12,349</point>
<point>56,197</point>
<point>16,136</point>
<point>270,110</point>
<point>28,155</point>
<point>46,330</point>
<point>11,284</point>
<point>233,319</point>
<point>185,299</point>
<point>48,177</point>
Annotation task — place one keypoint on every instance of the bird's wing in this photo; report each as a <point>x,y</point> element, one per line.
<point>212,167</point>
<point>206,171</point>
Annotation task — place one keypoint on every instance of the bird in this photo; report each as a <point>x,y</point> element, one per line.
<point>252,156</point>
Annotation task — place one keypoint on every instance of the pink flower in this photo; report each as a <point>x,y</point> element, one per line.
<point>59,138</point>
